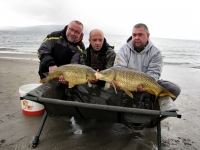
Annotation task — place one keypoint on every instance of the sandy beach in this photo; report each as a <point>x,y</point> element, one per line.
<point>62,133</point>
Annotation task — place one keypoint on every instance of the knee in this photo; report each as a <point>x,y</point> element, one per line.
<point>171,87</point>
<point>177,90</point>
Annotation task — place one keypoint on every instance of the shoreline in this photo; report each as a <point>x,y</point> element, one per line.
<point>17,130</point>
<point>21,56</point>
<point>34,57</point>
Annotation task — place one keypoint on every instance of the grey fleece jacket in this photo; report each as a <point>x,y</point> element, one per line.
<point>149,60</point>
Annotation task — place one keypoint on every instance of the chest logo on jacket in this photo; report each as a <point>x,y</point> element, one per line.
<point>117,61</point>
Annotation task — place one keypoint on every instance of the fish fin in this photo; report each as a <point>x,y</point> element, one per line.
<point>107,85</point>
<point>89,84</point>
<point>114,87</point>
<point>46,74</point>
<point>71,85</point>
<point>153,93</point>
<point>165,92</point>
<point>43,80</point>
<point>128,93</point>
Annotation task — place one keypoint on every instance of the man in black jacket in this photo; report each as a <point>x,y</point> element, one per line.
<point>99,55</point>
<point>60,48</point>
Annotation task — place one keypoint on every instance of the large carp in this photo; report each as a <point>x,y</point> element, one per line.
<point>73,73</point>
<point>129,80</point>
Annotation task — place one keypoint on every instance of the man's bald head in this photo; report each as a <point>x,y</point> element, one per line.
<point>96,39</point>
<point>96,31</point>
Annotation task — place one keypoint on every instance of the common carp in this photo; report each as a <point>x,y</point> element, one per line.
<point>74,74</point>
<point>129,80</point>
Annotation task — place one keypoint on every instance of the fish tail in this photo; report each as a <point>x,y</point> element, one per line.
<point>46,74</point>
<point>164,92</point>
<point>43,80</point>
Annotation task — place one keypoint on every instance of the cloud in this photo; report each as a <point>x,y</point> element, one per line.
<point>167,19</point>
<point>46,12</point>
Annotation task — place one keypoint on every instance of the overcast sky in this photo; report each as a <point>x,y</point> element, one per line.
<point>178,19</point>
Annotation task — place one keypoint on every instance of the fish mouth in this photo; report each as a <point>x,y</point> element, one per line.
<point>98,75</point>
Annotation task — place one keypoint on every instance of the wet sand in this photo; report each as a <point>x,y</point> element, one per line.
<point>63,133</point>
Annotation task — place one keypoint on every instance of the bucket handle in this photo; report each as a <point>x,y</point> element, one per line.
<point>32,98</point>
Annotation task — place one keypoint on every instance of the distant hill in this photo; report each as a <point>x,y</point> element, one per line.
<point>40,28</point>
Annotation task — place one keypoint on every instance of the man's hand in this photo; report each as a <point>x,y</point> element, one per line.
<point>51,68</point>
<point>93,81</point>
<point>62,80</point>
<point>140,89</point>
<point>116,85</point>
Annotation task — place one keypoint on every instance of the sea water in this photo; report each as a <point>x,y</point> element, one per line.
<point>175,51</point>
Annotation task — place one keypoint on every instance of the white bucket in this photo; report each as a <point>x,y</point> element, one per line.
<point>30,108</point>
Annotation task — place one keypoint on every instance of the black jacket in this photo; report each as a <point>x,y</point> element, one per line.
<point>102,59</point>
<point>57,50</point>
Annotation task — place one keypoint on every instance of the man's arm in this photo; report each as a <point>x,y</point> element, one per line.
<point>76,59</point>
<point>83,57</point>
<point>110,58</point>
<point>44,53</point>
<point>121,59</point>
<point>155,66</point>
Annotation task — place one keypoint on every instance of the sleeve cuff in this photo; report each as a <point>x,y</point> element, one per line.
<point>51,63</point>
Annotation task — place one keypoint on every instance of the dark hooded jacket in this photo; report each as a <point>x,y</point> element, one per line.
<point>57,50</point>
<point>102,59</point>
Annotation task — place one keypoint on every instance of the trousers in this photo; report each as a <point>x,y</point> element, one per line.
<point>170,86</point>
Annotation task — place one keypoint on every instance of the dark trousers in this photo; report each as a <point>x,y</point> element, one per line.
<point>171,87</point>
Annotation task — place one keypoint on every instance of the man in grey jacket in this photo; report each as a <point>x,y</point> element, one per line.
<point>140,53</point>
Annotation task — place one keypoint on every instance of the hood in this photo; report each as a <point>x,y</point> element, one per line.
<point>130,44</point>
<point>64,35</point>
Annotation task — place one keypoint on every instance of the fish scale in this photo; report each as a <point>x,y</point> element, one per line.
<point>129,80</point>
<point>74,74</point>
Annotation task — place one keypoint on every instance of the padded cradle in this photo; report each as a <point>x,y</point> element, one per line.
<point>105,105</point>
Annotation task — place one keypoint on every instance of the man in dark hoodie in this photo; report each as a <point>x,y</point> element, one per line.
<point>99,55</point>
<point>60,48</point>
